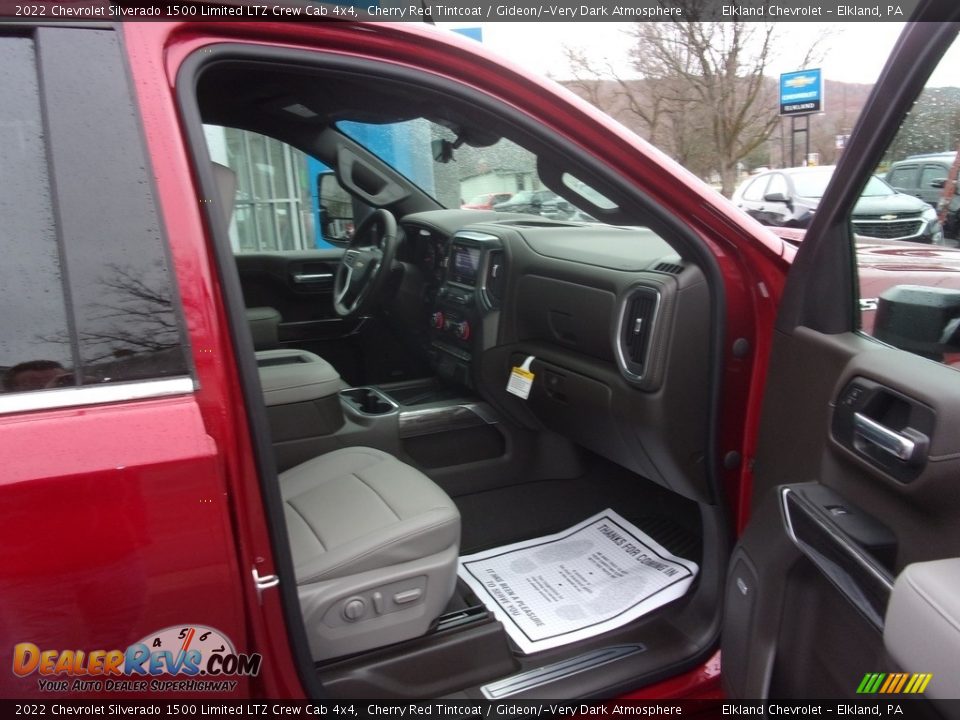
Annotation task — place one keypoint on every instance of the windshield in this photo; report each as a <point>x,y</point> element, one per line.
<point>813,184</point>
<point>427,154</point>
<point>877,188</point>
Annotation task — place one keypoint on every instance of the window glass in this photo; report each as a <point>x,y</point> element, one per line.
<point>588,192</point>
<point>276,207</point>
<point>35,350</point>
<point>122,299</point>
<point>812,183</point>
<point>778,184</point>
<point>754,191</point>
<point>448,167</point>
<point>931,173</point>
<point>85,286</point>
<point>903,177</point>
<point>907,261</point>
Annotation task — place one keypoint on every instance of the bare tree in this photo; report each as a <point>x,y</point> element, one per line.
<point>702,93</point>
<point>623,98</point>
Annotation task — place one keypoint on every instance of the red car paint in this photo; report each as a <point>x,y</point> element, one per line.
<point>154,506</point>
<point>486,201</point>
<point>881,264</point>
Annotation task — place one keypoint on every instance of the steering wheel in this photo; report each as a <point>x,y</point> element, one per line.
<point>366,264</point>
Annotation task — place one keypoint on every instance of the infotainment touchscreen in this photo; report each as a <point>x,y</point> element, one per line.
<point>464,265</point>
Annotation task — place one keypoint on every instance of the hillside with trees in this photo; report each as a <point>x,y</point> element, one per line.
<point>704,93</point>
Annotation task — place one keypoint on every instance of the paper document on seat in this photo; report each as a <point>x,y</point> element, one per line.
<point>599,575</point>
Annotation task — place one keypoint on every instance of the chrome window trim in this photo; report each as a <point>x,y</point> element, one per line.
<point>56,399</point>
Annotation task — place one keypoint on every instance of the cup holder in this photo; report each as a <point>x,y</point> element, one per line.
<point>368,401</point>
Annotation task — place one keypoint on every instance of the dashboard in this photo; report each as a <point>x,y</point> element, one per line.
<point>613,323</point>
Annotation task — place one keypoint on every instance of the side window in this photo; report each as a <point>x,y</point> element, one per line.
<point>904,176</point>
<point>907,257</point>
<point>285,200</point>
<point>85,285</point>
<point>930,174</point>
<point>754,192</point>
<point>34,317</point>
<point>778,184</point>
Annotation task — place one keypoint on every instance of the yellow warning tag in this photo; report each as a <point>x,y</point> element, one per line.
<point>521,380</point>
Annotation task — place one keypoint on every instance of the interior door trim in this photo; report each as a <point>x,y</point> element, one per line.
<point>855,574</point>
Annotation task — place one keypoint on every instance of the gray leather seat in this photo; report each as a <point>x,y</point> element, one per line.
<point>374,541</point>
<point>264,325</point>
<point>296,376</point>
<point>374,545</point>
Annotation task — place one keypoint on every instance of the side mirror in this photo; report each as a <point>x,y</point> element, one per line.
<point>922,320</point>
<point>776,197</point>
<point>938,183</point>
<point>336,208</point>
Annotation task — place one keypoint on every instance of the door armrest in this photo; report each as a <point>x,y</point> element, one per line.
<point>922,628</point>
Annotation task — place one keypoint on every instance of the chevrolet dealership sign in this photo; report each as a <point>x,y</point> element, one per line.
<point>801,92</point>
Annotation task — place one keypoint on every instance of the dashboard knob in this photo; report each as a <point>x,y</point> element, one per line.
<point>463,330</point>
<point>438,320</point>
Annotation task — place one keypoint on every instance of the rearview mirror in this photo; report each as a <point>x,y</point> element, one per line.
<point>442,150</point>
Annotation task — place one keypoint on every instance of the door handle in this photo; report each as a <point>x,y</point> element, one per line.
<point>311,277</point>
<point>890,441</point>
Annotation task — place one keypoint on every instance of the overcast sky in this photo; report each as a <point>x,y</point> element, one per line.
<point>852,52</point>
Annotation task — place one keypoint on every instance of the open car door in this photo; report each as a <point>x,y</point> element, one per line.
<point>846,582</point>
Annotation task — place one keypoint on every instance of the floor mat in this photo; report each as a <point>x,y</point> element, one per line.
<point>596,576</point>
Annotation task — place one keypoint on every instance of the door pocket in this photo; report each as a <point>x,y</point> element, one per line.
<point>852,549</point>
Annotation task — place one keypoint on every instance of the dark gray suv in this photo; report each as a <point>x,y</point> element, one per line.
<point>924,176</point>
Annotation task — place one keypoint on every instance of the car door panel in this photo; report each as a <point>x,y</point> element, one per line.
<point>851,548</point>
<point>299,285</point>
<point>802,566</point>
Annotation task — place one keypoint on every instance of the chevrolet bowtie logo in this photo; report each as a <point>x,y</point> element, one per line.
<point>800,81</point>
<point>888,217</point>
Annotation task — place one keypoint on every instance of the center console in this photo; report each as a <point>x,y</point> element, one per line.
<point>467,305</point>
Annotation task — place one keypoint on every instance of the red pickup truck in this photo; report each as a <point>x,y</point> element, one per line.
<point>266,385</point>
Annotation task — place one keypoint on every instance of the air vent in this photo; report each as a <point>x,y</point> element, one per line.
<point>494,279</point>
<point>672,268</point>
<point>636,329</point>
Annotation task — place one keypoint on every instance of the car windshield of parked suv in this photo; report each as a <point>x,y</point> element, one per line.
<point>813,184</point>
